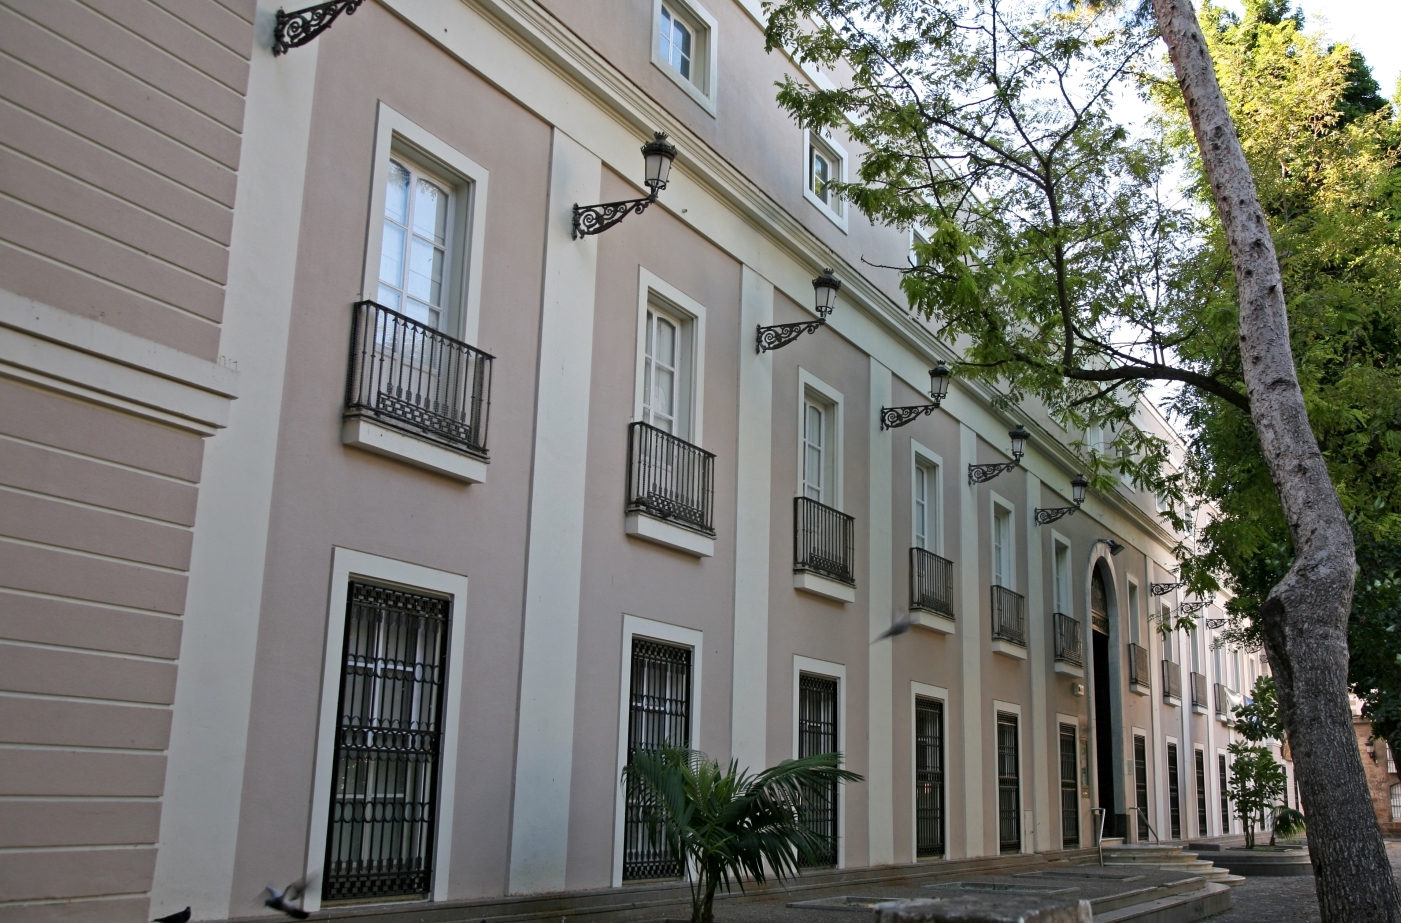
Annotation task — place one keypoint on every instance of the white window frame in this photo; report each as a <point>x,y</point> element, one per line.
<point>941,695</point>
<point>667,633</point>
<point>1131,605</point>
<point>1011,708</point>
<point>810,387</point>
<point>918,235</point>
<point>837,215</point>
<point>396,135</point>
<point>704,56</point>
<point>656,293</point>
<point>345,566</point>
<point>1062,587</point>
<point>923,457</point>
<point>835,671</point>
<point>998,502</point>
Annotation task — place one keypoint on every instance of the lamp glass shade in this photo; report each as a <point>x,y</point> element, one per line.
<point>1019,436</point>
<point>939,382</point>
<point>824,289</point>
<point>658,155</point>
<point>1077,488</point>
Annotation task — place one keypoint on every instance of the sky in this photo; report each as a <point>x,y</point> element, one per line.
<point>1373,27</point>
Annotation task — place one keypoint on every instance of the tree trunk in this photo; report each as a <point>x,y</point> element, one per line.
<point>1304,619</point>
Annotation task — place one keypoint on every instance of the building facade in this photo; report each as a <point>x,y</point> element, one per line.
<point>361,519</point>
<point>1383,781</point>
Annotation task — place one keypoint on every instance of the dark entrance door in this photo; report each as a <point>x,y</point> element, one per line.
<point>1114,823</point>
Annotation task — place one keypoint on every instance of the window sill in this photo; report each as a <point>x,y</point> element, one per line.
<point>1070,669</point>
<point>827,211</point>
<point>1198,710</point>
<point>663,533</point>
<point>1008,649</point>
<point>1139,689</point>
<point>933,621</point>
<point>371,437</point>
<point>701,99</point>
<point>823,586</point>
<point>1174,701</point>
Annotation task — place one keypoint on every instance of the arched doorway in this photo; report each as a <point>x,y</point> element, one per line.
<point>1101,600</point>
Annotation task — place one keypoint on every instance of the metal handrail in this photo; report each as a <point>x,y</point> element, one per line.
<point>1151,832</point>
<point>1099,836</point>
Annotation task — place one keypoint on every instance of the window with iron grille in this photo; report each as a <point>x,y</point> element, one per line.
<point>1140,784</point>
<point>659,715</point>
<point>385,775</point>
<point>1225,802</point>
<point>929,777</point>
<point>817,734</point>
<point>1009,790</point>
<point>1201,793</point>
<point>1069,789</point>
<point>1174,794</point>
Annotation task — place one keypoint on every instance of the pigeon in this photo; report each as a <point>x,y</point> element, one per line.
<point>898,626</point>
<point>282,900</point>
<point>182,916</point>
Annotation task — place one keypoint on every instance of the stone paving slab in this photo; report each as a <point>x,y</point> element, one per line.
<point>1276,900</point>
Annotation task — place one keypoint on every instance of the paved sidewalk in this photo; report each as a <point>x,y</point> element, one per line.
<point>1283,900</point>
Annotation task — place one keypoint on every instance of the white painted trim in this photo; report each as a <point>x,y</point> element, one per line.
<point>996,500</point>
<point>837,216</point>
<point>345,566</point>
<point>881,607</point>
<point>1039,645</point>
<point>941,695</point>
<point>390,443</point>
<point>1069,669</point>
<point>1008,649</point>
<point>1133,600</point>
<point>469,219</point>
<point>705,96</point>
<point>835,671</point>
<point>933,621</point>
<point>809,383</point>
<point>818,585</point>
<point>971,655</point>
<point>1059,540</point>
<point>692,313</point>
<point>661,532</point>
<point>1011,708</point>
<point>931,459</point>
<point>671,634</point>
<point>74,355</point>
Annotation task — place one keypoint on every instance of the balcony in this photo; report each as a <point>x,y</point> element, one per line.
<point>417,395</point>
<point>1172,683</point>
<point>1139,680</point>
<point>1070,644</point>
<point>824,549</point>
<point>670,491</point>
<point>1226,704</point>
<point>1008,623</point>
<point>1199,693</point>
<point>931,591</point>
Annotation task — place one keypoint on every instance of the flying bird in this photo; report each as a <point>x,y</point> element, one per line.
<point>282,900</point>
<point>898,626</point>
<point>182,916</point>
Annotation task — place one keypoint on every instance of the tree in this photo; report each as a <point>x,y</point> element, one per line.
<point>1054,264</point>
<point>1256,785</point>
<point>728,824</point>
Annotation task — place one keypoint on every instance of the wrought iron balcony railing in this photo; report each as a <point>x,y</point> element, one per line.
<point>1198,691</point>
<point>1008,615</point>
<point>1172,682</point>
<point>1223,701</point>
<point>824,541</point>
<point>410,377</point>
<point>931,582</point>
<point>670,479</point>
<point>1070,639</point>
<point>1138,666</point>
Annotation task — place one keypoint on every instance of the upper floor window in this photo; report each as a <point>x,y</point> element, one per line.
<point>685,48</point>
<point>414,271</point>
<point>1061,562</point>
<point>1002,547</point>
<point>678,42</point>
<point>826,164</point>
<point>924,501</point>
<point>815,451</point>
<point>662,372</point>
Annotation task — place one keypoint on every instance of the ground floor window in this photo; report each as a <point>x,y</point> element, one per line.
<point>1396,802</point>
<point>1140,786</point>
<point>1174,794</point>
<point>1009,793</point>
<point>929,777</point>
<point>659,715</point>
<point>384,796</point>
<point>1201,793</point>
<point>1225,802</point>
<point>1069,789</point>
<point>817,734</point>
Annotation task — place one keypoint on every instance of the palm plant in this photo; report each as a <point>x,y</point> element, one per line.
<point>725,825</point>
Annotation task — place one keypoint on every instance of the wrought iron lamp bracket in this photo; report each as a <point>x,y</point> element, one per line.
<point>1189,608</point>
<point>1213,624</point>
<point>1048,516</point>
<point>979,474</point>
<point>595,219</point>
<point>295,29</point>
<point>780,335</point>
<point>1162,589</point>
<point>893,417</point>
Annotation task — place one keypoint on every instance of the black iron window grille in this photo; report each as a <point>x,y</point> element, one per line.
<point>659,715</point>
<point>1009,789</point>
<point>929,778</point>
<point>1172,683</point>
<point>670,479</point>
<point>1199,694</point>
<point>1174,794</point>
<point>1225,801</point>
<point>1140,785</point>
<point>931,582</point>
<point>1138,666</point>
<point>1070,639</point>
<point>408,376</point>
<point>817,734</point>
<point>1069,789</point>
<point>824,540</point>
<point>1008,615</point>
<point>1201,793</point>
<point>388,738</point>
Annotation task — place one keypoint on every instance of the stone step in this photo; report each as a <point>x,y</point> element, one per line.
<point>1212,898</point>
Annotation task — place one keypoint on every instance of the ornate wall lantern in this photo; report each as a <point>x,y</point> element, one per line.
<point>825,288</point>
<point>891,417</point>
<point>1114,547</point>
<point>657,156</point>
<point>978,474</point>
<point>295,29</point>
<point>1078,485</point>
